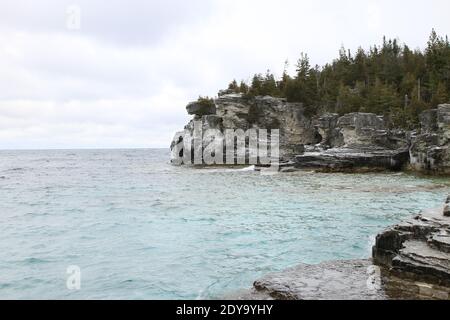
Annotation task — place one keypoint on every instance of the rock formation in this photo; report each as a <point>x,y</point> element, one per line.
<point>447,207</point>
<point>353,142</point>
<point>234,111</point>
<point>336,280</point>
<point>418,251</point>
<point>411,260</point>
<point>200,108</point>
<point>430,151</point>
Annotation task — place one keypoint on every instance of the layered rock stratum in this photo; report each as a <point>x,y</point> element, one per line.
<point>418,251</point>
<point>350,143</point>
<point>410,260</point>
<point>430,150</point>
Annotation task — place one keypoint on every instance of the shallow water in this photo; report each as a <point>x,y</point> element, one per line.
<point>141,229</point>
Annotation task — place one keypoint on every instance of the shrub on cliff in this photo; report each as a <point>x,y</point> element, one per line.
<point>206,102</point>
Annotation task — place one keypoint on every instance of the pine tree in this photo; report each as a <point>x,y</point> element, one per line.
<point>440,96</point>
<point>390,80</point>
<point>243,88</point>
<point>233,86</point>
<point>256,86</point>
<point>349,100</point>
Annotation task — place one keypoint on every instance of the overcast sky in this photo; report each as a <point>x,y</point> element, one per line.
<point>122,74</point>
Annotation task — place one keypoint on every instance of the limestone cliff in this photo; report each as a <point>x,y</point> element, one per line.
<point>353,142</point>
<point>233,111</point>
<point>430,151</point>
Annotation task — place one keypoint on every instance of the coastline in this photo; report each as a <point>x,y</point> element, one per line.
<point>353,143</point>
<point>410,261</point>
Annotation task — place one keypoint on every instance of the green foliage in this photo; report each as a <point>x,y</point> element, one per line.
<point>243,88</point>
<point>390,80</point>
<point>381,99</point>
<point>349,100</point>
<point>233,87</point>
<point>205,101</point>
<point>264,86</point>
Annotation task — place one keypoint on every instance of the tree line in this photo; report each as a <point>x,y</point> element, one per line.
<point>389,79</point>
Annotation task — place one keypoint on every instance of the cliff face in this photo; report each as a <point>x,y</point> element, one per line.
<point>233,111</point>
<point>430,151</point>
<point>353,142</point>
<point>296,129</point>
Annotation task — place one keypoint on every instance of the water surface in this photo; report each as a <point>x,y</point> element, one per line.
<point>141,229</point>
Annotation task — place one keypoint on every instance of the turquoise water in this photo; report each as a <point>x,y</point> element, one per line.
<point>141,229</point>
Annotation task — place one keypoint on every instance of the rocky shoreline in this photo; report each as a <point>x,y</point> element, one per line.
<point>355,142</point>
<point>410,260</point>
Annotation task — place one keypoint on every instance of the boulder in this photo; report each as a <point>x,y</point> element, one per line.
<point>201,108</point>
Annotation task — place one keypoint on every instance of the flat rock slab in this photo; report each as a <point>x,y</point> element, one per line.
<point>345,159</point>
<point>338,280</point>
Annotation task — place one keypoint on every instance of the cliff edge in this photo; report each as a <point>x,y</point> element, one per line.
<point>349,143</point>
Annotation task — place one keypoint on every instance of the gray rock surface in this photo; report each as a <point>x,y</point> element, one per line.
<point>447,207</point>
<point>338,280</point>
<point>356,142</point>
<point>296,129</point>
<point>418,250</point>
<point>430,150</point>
<point>341,280</point>
<point>353,160</point>
<point>200,109</point>
<point>234,111</point>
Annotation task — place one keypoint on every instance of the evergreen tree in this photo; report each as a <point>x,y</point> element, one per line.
<point>233,86</point>
<point>243,87</point>
<point>439,96</point>
<point>390,79</point>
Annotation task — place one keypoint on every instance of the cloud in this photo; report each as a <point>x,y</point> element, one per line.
<point>125,77</point>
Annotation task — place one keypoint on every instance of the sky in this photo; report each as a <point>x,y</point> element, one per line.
<point>119,74</point>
